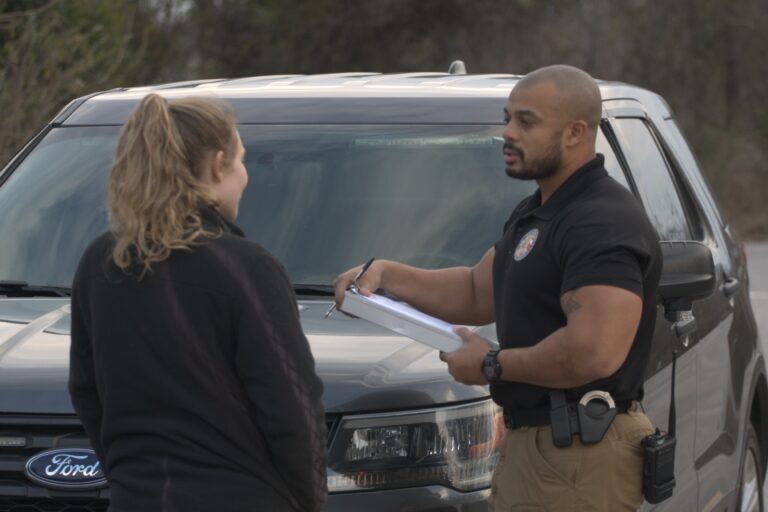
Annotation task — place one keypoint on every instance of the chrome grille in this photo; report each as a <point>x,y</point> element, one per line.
<point>52,505</point>
<point>19,494</point>
<point>39,433</point>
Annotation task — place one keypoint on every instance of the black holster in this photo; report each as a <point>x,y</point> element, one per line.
<point>590,420</point>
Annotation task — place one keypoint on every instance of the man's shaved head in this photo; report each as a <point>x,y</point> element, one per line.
<point>579,95</point>
<point>552,117</point>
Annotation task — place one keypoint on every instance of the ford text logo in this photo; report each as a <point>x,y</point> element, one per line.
<point>66,468</point>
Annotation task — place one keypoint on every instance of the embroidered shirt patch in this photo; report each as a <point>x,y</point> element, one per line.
<point>526,244</point>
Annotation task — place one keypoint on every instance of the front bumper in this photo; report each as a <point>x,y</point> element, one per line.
<point>433,498</point>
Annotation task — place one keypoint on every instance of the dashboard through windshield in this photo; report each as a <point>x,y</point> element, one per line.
<point>321,198</point>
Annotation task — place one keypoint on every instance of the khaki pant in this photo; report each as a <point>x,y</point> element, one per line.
<point>534,476</point>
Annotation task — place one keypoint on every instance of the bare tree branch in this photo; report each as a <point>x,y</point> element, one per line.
<point>11,16</point>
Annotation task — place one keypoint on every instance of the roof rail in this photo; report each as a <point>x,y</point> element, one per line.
<point>457,67</point>
<point>253,79</point>
<point>176,85</point>
<point>399,76</point>
<point>326,76</point>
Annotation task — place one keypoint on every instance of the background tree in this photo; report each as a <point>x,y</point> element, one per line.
<point>706,57</point>
<point>59,50</point>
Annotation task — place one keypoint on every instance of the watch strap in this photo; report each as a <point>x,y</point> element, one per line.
<point>491,366</point>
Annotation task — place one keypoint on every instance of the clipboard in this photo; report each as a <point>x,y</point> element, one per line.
<point>402,319</point>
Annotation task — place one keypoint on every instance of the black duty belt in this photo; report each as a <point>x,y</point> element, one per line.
<point>541,415</point>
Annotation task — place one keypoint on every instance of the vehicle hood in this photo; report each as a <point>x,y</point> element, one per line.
<point>364,367</point>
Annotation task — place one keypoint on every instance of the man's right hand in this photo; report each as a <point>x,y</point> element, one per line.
<point>457,295</point>
<point>368,283</point>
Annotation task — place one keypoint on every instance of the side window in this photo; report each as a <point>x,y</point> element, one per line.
<point>689,160</point>
<point>653,179</point>
<point>612,164</point>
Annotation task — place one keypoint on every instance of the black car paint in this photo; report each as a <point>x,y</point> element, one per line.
<point>389,373</point>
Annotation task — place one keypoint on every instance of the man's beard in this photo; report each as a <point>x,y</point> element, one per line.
<point>541,168</point>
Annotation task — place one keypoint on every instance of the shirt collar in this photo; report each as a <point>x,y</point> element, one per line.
<point>573,186</point>
<point>212,218</point>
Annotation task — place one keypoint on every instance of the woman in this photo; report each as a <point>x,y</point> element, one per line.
<point>189,369</point>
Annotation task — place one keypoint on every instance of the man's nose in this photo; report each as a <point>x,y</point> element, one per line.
<point>509,133</point>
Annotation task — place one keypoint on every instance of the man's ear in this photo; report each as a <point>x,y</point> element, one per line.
<point>574,133</point>
<point>217,167</point>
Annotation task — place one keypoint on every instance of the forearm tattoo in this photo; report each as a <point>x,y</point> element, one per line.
<point>569,303</point>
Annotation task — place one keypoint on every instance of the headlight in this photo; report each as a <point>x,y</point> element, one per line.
<point>450,446</point>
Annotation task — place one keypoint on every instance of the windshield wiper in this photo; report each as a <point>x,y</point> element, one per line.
<point>22,289</point>
<point>314,290</point>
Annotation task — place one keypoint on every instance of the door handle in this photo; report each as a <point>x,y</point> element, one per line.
<point>730,286</point>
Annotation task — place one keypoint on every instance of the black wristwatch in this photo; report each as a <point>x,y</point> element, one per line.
<point>491,367</point>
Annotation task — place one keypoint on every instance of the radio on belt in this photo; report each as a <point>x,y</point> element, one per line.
<point>659,455</point>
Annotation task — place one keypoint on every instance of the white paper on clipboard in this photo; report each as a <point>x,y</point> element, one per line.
<point>402,319</point>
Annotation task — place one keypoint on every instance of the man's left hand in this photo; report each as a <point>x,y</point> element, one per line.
<point>465,363</point>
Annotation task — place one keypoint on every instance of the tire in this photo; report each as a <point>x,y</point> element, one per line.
<point>751,478</point>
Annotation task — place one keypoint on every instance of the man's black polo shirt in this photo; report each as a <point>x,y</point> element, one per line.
<point>591,231</point>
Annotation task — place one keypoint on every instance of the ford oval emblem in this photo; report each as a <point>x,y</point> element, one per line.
<point>66,468</point>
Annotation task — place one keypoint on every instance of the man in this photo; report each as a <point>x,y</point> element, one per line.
<point>572,287</point>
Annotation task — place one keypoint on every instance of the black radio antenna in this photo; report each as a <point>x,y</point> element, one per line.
<point>672,419</point>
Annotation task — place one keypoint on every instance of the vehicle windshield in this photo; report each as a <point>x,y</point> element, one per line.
<point>320,198</point>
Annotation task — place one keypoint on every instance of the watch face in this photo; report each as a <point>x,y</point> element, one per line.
<point>491,368</point>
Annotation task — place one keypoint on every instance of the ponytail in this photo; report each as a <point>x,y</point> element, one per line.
<point>156,185</point>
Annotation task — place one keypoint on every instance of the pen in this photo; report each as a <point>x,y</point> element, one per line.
<point>354,281</point>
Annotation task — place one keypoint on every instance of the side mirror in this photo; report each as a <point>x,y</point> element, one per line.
<point>688,274</point>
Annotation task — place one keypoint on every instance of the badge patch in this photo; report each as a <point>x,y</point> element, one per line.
<point>526,244</point>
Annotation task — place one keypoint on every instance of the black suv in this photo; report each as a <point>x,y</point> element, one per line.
<point>407,167</point>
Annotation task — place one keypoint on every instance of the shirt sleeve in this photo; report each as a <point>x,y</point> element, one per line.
<point>277,368</point>
<point>600,248</point>
<point>82,376</point>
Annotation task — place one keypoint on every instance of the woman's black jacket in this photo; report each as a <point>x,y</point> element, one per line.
<point>195,383</point>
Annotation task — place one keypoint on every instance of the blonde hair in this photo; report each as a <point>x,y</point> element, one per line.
<point>156,186</point>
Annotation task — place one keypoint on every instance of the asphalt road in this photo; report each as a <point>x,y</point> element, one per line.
<point>757,262</point>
